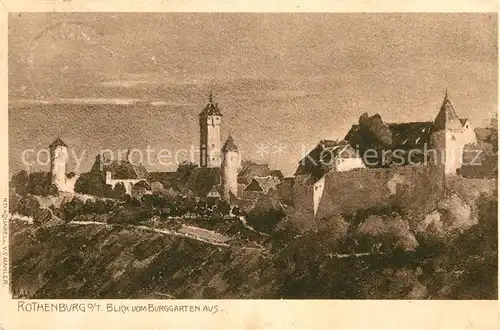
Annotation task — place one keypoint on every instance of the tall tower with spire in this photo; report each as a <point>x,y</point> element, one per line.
<point>448,138</point>
<point>210,141</point>
<point>230,164</point>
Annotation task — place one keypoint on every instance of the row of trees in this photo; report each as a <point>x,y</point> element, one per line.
<point>162,203</point>
<point>36,183</point>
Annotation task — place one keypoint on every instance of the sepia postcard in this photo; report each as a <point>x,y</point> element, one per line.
<point>168,166</point>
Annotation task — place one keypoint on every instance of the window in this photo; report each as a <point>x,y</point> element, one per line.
<point>467,126</point>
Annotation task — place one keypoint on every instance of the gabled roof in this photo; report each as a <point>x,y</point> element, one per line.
<point>463,121</point>
<point>229,145</point>
<point>263,184</point>
<point>447,117</point>
<point>321,159</point>
<point>412,134</point>
<point>253,186</point>
<point>214,192</point>
<point>249,170</point>
<point>123,170</point>
<point>211,109</point>
<point>57,143</point>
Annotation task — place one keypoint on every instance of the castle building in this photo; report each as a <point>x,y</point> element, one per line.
<point>446,137</point>
<point>230,165</point>
<point>210,139</point>
<point>443,140</point>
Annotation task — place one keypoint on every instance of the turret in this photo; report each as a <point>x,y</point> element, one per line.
<point>447,137</point>
<point>210,141</point>
<point>230,164</point>
<point>58,159</point>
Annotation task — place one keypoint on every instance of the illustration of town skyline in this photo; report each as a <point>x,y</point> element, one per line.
<point>278,78</point>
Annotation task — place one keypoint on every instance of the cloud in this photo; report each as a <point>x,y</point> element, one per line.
<point>76,101</point>
<point>117,101</point>
<point>125,83</point>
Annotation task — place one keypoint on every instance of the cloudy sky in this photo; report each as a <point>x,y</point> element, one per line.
<point>284,81</point>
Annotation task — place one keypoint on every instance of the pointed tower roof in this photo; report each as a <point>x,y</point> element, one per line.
<point>211,109</point>
<point>229,145</point>
<point>57,143</point>
<point>447,118</point>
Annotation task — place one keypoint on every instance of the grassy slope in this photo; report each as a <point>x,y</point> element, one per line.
<point>71,261</point>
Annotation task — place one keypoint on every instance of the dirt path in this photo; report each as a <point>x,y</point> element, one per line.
<point>199,234</point>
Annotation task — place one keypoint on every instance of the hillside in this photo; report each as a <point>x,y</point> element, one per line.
<point>104,261</point>
<point>113,249</point>
<point>76,261</point>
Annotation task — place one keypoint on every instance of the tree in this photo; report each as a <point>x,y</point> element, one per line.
<point>40,183</point>
<point>119,191</point>
<point>223,207</point>
<point>19,182</point>
<point>98,206</point>
<point>93,184</point>
<point>28,206</point>
<point>267,213</point>
<point>140,188</point>
<point>72,209</point>
<point>156,187</point>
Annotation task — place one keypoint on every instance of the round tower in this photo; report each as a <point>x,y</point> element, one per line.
<point>230,163</point>
<point>58,159</point>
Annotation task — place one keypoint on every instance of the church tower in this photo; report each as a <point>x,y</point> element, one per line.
<point>447,137</point>
<point>210,142</point>
<point>58,159</point>
<point>230,164</point>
